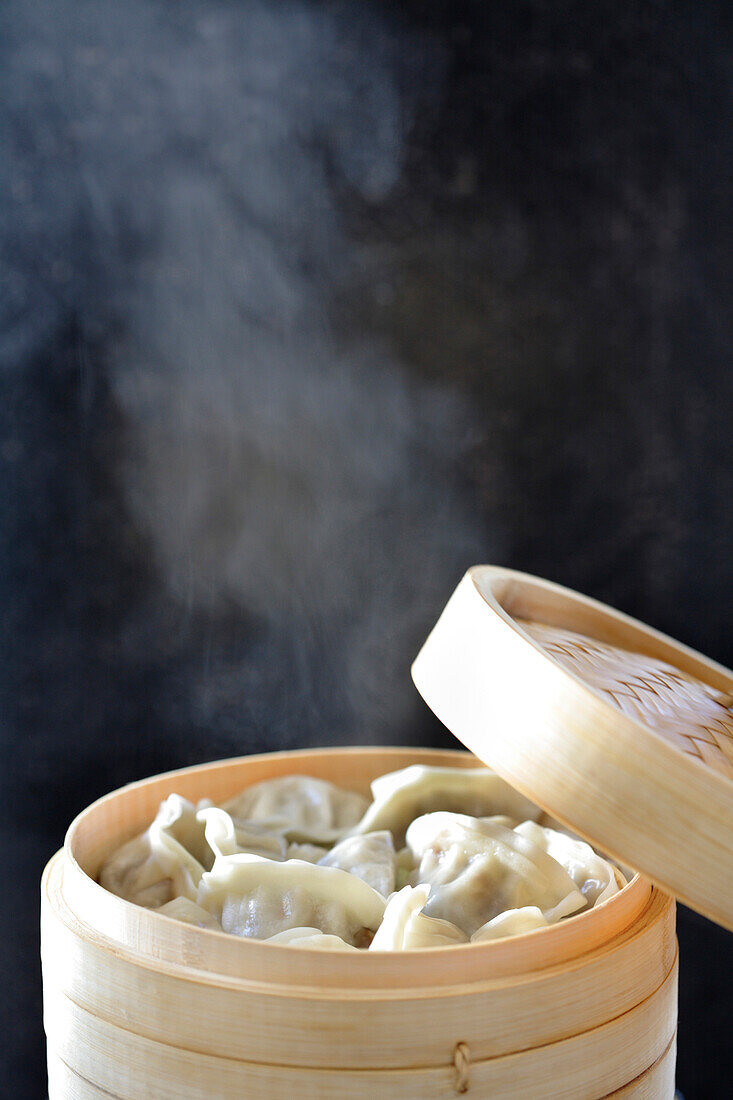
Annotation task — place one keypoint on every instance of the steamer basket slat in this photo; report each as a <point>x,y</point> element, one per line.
<point>585,1066</point>
<point>64,1084</point>
<point>138,1005</point>
<point>657,1081</point>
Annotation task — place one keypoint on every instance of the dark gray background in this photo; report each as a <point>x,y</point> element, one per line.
<point>306,307</point>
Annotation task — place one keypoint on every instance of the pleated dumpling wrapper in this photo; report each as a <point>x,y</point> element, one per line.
<point>478,868</point>
<point>164,862</point>
<point>225,838</point>
<point>300,808</point>
<point>257,897</point>
<point>370,857</point>
<point>300,861</point>
<point>406,928</point>
<point>594,876</point>
<point>401,796</point>
<point>312,938</point>
<point>190,913</point>
<point>512,922</point>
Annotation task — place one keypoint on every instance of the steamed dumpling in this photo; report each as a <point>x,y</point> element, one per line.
<point>134,873</point>
<point>311,853</point>
<point>253,896</point>
<point>594,876</point>
<point>311,937</point>
<point>401,796</point>
<point>513,922</point>
<point>300,807</point>
<point>405,927</point>
<point>162,863</point>
<point>228,837</point>
<point>297,860</point>
<point>479,868</point>
<point>370,857</point>
<point>225,837</point>
<point>190,913</point>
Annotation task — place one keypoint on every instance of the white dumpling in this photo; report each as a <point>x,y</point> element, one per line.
<point>301,808</point>
<point>164,862</point>
<point>401,796</point>
<point>594,876</point>
<point>512,922</point>
<point>190,913</point>
<point>311,937</point>
<point>225,837</point>
<point>178,819</point>
<point>479,868</point>
<point>371,857</point>
<point>133,873</point>
<point>311,853</point>
<point>253,896</point>
<point>405,927</point>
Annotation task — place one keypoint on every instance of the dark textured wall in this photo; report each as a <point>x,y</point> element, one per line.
<point>303,309</point>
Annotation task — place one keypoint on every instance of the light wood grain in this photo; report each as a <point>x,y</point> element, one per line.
<point>681,708</point>
<point>582,1067</point>
<point>656,1083</point>
<point>624,786</point>
<point>65,1084</point>
<point>658,1080</point>
<point>139,1005</point>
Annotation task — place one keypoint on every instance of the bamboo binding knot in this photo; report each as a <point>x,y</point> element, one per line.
<point>462,1062</point>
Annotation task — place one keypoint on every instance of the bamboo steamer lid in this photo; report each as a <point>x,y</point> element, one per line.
<point>620,732</point>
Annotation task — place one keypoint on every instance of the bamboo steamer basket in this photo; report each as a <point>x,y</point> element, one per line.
<point>139,1005</point>
<point>612,728</point>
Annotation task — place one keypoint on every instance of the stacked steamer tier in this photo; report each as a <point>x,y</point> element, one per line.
<point>138,1005</point>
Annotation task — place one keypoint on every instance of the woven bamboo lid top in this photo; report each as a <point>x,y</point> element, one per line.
<point>681,708</point>
<point>617,730</point>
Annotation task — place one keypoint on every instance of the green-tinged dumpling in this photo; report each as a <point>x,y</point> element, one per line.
<point>401,796</point>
